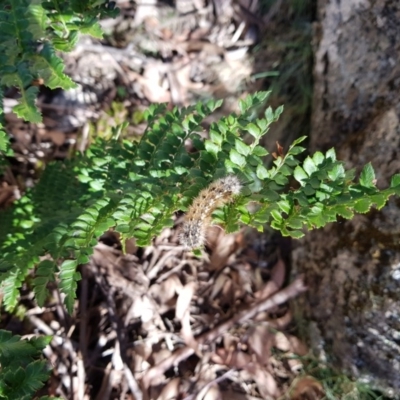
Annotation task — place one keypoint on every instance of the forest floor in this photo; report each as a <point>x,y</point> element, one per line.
<point>159,322</point>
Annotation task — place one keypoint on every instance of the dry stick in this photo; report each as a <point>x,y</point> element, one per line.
<point>154,267</point>
<point>105,388</point>
<point>64,317</point>
<point>83,334</point>
<point>41,325</point>
<point>83,311</point>
<point>132,383</point>
<point>81,378</point>
<point>172,271</point>
<point>181,354</point>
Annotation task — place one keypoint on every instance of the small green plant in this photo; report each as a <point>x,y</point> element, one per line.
<point>22,370</point>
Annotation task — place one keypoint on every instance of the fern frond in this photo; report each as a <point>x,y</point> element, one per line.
<point>29,31</point>
<point>22,370</point>
<point>135,187</point>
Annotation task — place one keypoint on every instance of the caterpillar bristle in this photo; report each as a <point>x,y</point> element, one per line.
<point>198,217</point>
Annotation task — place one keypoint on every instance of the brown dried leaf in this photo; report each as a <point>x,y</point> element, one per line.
<point>289,343</point>
<point>280,149</point>
<point>211,393</point>
<point>183,68</point>
<point>142,352</point>
<point>144,309</point>
<point>278,273</point>
<point>182,312</point>
<point>245,278</point>
<point>260,341</point>
<point>7,195</point>
<point>267,291</point>
<point>233,359</point>
<point>298,346</point>
<point>295,365</point>
<point>105,256</point>
<point>266,384</point>
<point>171,390</point>
<point>232,395</point>
<point>282,342</point>
<point>184,300</point>
<point>224,248</point>
<point>282,322</point>
<point>146,10</point>
<point>166,290</point>
<point>308,388</point>
<point>153,82</point>
<point>160,355</point>
<point>57,137</point>
<point>177,90</point>
<point>230,342</point>
<point>219,284</point>
<point>228,293</point>
<point>130,246</point>
<point>22,134</point>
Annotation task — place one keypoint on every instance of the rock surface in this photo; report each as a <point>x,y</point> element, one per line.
<point>353,267</point>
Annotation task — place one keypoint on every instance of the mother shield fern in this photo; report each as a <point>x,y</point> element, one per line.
<point>135,188</point>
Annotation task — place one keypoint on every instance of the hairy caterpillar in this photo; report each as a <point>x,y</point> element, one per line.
<point>198,217</point>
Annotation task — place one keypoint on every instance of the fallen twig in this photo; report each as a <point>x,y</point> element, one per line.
<point>181,354</point>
